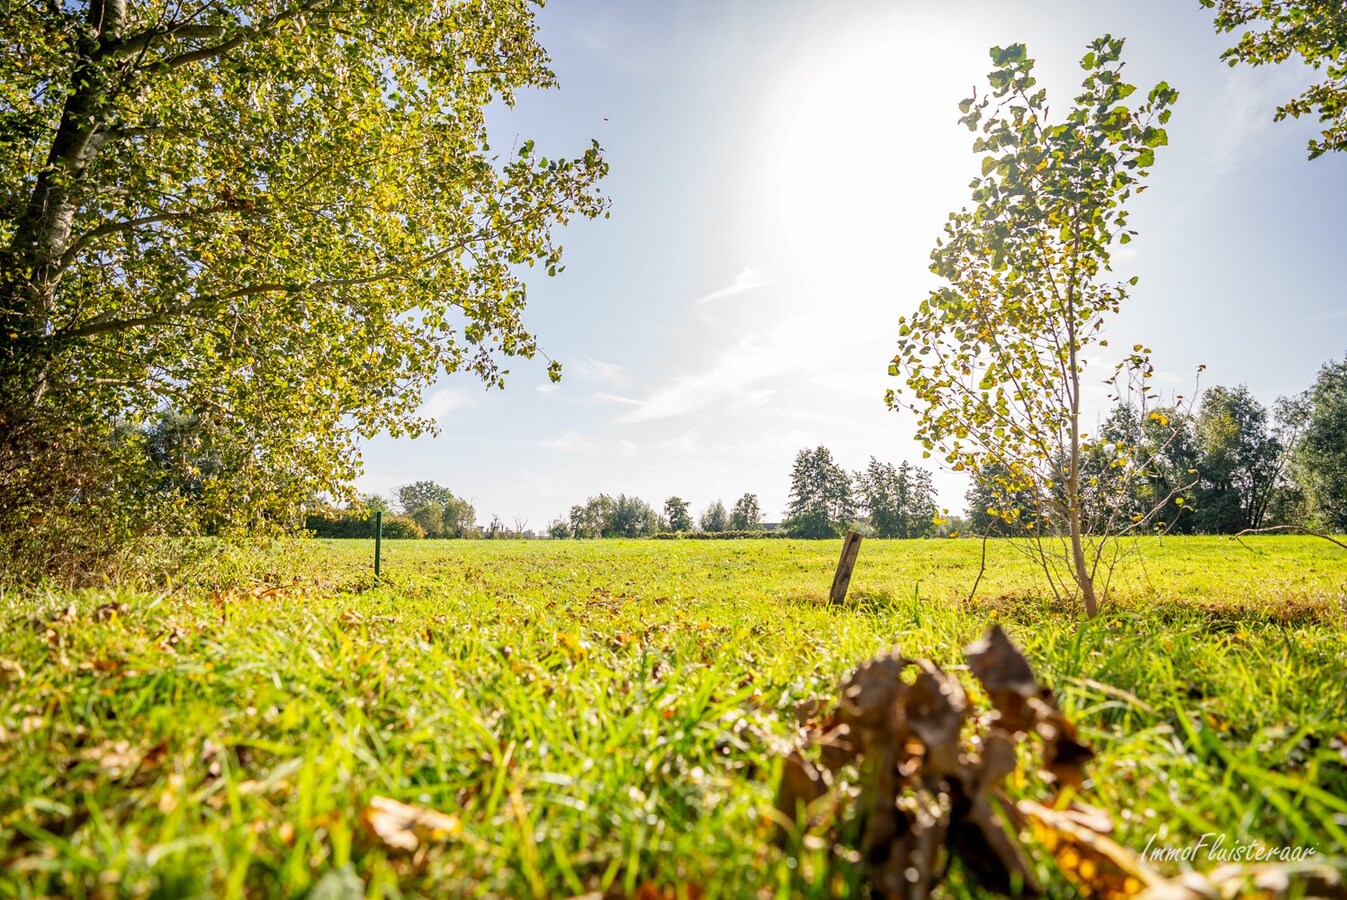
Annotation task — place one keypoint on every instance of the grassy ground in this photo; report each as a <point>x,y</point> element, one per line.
<point>600,716</point>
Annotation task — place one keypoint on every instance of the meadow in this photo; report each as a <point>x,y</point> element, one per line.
<point>606,718</point>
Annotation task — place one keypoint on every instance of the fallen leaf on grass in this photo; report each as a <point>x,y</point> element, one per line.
<point>925,792</point>
<point>923,795</point>
<point>109,611</point>
<point>11,672</point>
<point>401,826</point>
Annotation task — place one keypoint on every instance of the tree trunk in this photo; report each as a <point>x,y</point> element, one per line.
<point>33,261</point>
<point>1073,511</point>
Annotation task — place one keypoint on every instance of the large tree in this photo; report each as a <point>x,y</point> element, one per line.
<point>1320,456</point>
<point>677,515</point>
<point>747,514</point>
<point>715,518</point>
<point>821,503</point>
<point>1240,462</point>
<point>899,501</point>
<point>1313,30</point>
<point>281,217</point>
<point>994,362</point>
<point>422,493</point>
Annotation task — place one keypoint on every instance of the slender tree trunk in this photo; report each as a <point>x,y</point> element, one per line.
<point>1073,511</point>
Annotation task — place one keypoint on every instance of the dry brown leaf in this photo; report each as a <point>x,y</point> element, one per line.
<point>1006,677</point>
<point>935,708</point>
<point>108,611</point>
<point>11,672</point>
<point>802,783</point>
<point>401,826</point>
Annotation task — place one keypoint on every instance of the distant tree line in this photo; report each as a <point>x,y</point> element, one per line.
<point>882,500</point>
<point>424,509</point>
<point>1228,466</point>
<point>605,517</point>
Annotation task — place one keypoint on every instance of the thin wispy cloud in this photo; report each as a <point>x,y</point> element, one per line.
<point>600,371</point>
<point>605,397</point>
<point>571,441</point>
<point>749,278</point>
<point>738,375</point>
<point>445,401</point>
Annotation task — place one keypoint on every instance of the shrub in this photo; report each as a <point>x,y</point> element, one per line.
<point>718,535</point>
<point>345,524</point>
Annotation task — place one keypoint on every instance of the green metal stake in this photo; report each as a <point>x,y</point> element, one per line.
<point>378,541</point>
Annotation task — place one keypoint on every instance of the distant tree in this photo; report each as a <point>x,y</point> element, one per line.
<point>1240,462</point>
<point>375,503</point>
<point>594,518</point>
<point>747,514</point>
<point>677,516</point>
<point>1170,445</point>
<point>422,493</point>
<point>1290,504</point>
<point>952,527</point>
<point>899,502</point>
<point>994,360</point>
<point>1124,468</point>
<point>715,518</point>
<point>1319,460</point>
<point>495,529</point>
<point>1314,30</point>
<point>559,529</point>
<point>430,518</point>
<point>820,496</point>
<point>458,519</point>
<point>178,469</point>
<point>632,517</point>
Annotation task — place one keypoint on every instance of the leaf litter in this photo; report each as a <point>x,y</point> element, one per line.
<point>904,776</point>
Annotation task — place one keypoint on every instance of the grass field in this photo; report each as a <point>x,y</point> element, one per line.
<point>602,716</point>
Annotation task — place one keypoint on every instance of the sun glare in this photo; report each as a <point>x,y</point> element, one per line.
<point>865,158</point>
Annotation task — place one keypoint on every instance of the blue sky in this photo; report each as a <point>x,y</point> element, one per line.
<point>780,171</point>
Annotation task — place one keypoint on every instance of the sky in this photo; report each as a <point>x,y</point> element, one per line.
<point>780,170</point>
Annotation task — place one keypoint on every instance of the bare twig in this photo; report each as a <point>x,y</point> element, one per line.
<point>1294,529</point>
<point>982,567</point>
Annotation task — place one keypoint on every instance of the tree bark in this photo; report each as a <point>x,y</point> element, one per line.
<point>1073,512</point>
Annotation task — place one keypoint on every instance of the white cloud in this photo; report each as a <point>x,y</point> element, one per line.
<point>571,442</point>
<point>444,401</point>
<point>749,278</point>
<point>606,397</point>
<point>739,373</point>
<point>597,370</point>
<point>548,387</point>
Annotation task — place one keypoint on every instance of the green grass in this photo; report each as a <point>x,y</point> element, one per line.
<point>603,715</point>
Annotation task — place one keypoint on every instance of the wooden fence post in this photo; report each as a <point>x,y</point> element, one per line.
<point>851,546</point>
<point>378,541</point>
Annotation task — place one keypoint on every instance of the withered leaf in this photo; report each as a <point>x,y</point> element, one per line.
<point>802,783</point>
<point>1005,675</point>
<point>401,826</point>
<point>935,707</point>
